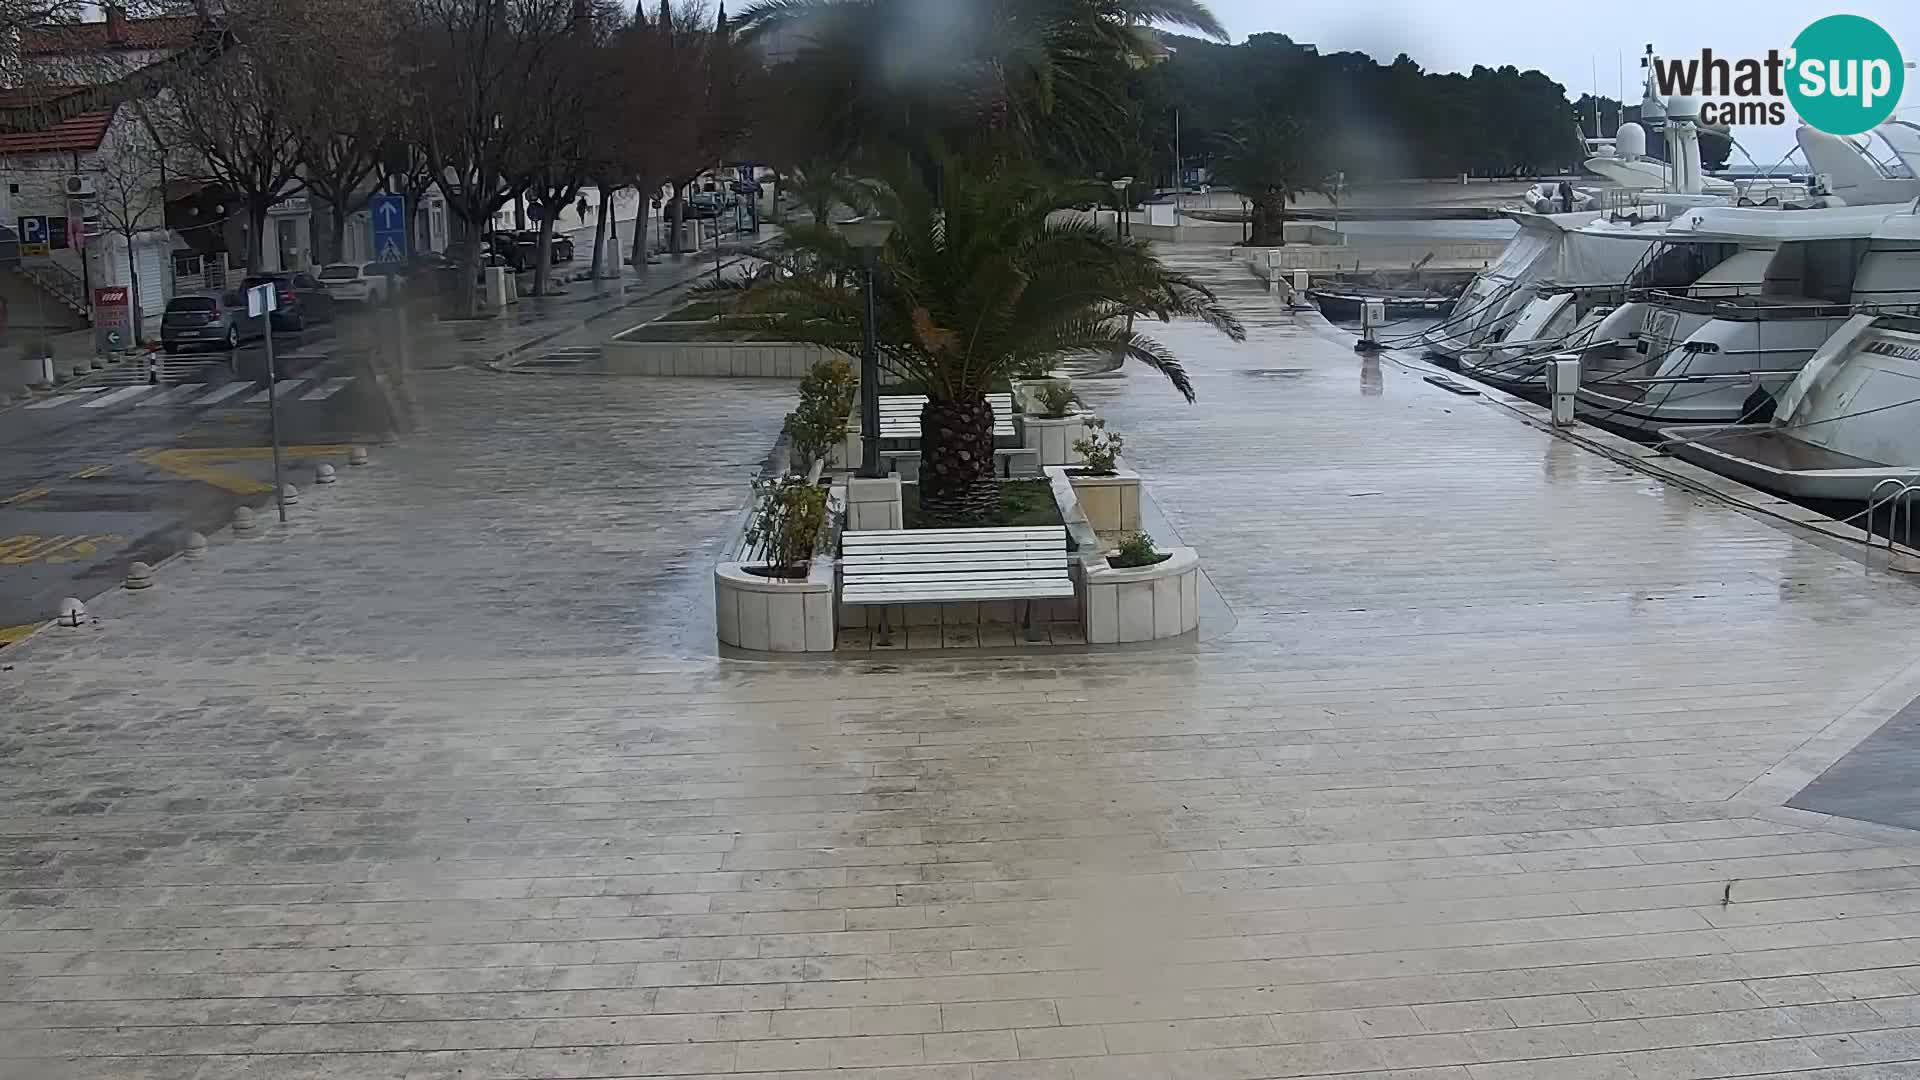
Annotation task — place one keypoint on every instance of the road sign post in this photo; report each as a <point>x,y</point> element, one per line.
<point>389,216</point>
<point>261,302</point>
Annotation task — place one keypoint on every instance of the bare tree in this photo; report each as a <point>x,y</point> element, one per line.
<point>130,199</point>
<point>344,119</point>
<point>473,64</point>
<point>239,120</point>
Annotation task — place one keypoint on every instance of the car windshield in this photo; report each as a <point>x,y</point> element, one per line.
<point>191,303</point>
<point>339,272</point>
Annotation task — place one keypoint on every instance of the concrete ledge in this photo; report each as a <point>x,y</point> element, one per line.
<point>713,359</point>
<point>1055,438</point>
<point>774,615</point>
<point>1110,503</point>
<point>1145,603</point>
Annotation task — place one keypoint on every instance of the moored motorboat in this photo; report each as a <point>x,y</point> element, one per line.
<point>1847,425</point>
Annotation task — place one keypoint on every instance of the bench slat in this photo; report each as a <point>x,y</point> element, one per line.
<point>986,560</point>
<point>972,573</point>
<point>880,595</point>
<point>887,536</point>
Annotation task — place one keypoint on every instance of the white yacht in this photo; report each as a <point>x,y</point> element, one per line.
<point>1846,425</point>
<point>1687,356</point>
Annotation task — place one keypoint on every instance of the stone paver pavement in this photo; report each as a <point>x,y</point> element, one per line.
<point>1484,784</point>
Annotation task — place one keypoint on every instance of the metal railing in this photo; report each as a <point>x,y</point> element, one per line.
<point>58,282</point>
<point>1898,500</point>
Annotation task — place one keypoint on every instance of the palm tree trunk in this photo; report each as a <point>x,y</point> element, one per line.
<point>957,484</point>
<point>1269,219</point>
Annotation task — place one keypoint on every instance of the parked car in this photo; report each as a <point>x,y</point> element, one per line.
<point>301,298</point>
<point>510,248</point>
<point>705,204</point>
<point>351,284</point>
<point>207,321</point>
<point>560,250</point>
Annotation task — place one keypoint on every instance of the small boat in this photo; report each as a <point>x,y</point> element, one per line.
<point>1345,302</point>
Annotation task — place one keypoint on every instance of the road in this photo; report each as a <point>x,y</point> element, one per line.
<point>93,479</point>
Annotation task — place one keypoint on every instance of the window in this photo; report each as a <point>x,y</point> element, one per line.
<point>191,303</point>
<point>339,272</point>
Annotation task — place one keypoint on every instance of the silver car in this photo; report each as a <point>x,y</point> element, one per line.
<point>207,321</point>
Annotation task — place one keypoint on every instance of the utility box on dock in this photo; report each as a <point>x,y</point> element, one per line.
<point>1563,380</point>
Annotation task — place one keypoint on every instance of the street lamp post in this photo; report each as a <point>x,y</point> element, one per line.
<point>1120,206</point>
<point>868,235</point>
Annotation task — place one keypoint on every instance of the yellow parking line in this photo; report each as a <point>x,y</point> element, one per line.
<point>200,464</point>
<point>90,471</point>
<point>11,634</point>
<point>26,496</point>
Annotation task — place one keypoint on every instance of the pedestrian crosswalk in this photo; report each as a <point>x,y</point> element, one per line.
<point>235,394</point>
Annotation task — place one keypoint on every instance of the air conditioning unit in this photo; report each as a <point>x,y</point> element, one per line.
<point>80,187</point>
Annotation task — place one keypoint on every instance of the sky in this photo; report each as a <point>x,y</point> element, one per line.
<point>1569,41</point>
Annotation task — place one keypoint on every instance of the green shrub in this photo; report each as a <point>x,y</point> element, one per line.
<point>820,422</point>
<point>1136,550</point>
<point>789,517</point>
<point>1055,400</point>
<point>1100,447</point>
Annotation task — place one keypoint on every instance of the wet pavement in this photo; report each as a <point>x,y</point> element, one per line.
<point>1486,782</point>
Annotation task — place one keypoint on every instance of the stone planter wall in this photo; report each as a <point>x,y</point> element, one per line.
<point>1026,392</point>
<point>1111,503</point>
<point>713,359</point>
<point>1055,438</point>
<point>875,504</point>
<point>773,615</point>
<point>1146,603</point>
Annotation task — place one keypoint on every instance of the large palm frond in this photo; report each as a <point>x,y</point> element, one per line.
<point>982,284</point>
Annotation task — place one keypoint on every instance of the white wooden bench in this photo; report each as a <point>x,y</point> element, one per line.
<point>932,566</point>
<point>900,416</point>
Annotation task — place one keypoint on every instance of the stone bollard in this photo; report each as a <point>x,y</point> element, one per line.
<point>323,474</point>
<point>139,576</point>
<point>289,494</point>
<point>357,456</point>
<point>243,521</point>
<point>196,548</point>
<point>72,612</point>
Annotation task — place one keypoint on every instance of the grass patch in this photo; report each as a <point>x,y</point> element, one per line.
<point>716,331</point>
<point>698,309</point>
<point>1022,503</point>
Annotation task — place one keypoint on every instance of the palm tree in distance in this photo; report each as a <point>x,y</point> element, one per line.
<point>976,286</point>
<point>1271,160</point>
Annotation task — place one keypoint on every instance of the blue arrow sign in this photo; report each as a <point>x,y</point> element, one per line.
<point>389,214</point>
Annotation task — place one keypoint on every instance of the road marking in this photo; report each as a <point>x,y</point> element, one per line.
<point>327,390</point>
<point>172,395</point>
<point>200,464</point>
<point>11,634</point>
<point>28,548</point>
<point>118,396</point>
<point>90,472</point>
<point>71,395</point>
<point>280,389</point>
<point>26,496</point>
<point>224,393</point>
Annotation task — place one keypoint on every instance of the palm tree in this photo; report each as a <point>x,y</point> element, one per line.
<point>977,286</point>
<point>820,187</point>
<point>1271,160</point>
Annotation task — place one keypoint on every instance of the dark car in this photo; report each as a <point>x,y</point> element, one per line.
<point>301,297</point>
<point>209,321</point>
<point>528,242</point>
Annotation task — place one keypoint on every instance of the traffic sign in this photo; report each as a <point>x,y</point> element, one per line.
<point>262,299</point>
<point>112,317</point>
<point>33,236</point>
<point>389,214</point>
